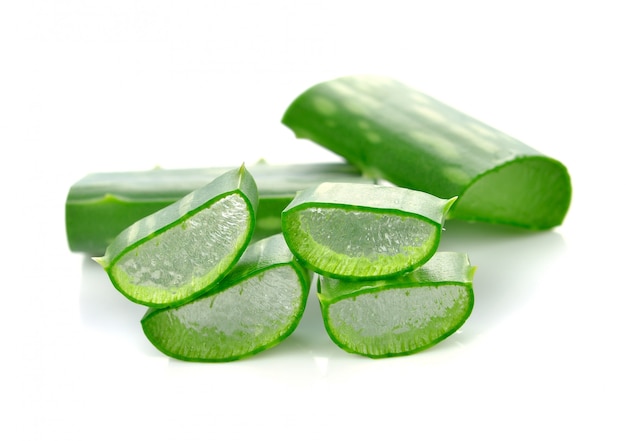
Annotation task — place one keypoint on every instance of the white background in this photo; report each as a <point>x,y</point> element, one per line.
<point>90,86</point>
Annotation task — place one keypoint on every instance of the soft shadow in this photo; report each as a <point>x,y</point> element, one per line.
<point>511,264</point>
<point>102,307</point>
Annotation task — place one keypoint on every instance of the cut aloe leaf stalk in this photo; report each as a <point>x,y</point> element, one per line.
<point>394,132</point>
<point>185,248</point>
<point>101,205</point>
<point>357,231</point>
<point>403,315</point>
<point>254,308</point>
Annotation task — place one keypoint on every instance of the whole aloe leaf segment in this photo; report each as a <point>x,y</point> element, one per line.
<point>254,308</point>
<point>357,231</point>
<point>185,248</point>
<point>101,205</point>
<point>394,132</point>
<point>403,315</point>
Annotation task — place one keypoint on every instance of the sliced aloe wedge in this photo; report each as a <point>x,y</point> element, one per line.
<point>185,248</point>
<point>397,133</point>
<point>255,307</point>
<point>403,315</point>
<point>363,231</point>
<point>101,205</point>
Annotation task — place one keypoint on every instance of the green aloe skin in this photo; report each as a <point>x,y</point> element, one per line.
<point>257,305</point>
<point>101,205</point>
<point>394,132</point>
<point>358,231</point>
<point>384,291</point>
<point>175,254</point>
<point>403,315</point>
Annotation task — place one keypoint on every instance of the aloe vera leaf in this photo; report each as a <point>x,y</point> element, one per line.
<point>358,231</point>
<point>394,132</point>
<point>178,252</point>
<point>100,205</point>
<point>255,307</point>
<point>399,316</point>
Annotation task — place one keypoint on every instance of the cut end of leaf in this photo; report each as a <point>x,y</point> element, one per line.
<point>397,321</point>
<point>363,231</point>
<point>237,321</point>
<point>531,192</point>
<point>184,249</point>
<point>349,243</point>
<point>188,257</point>
<point>403,315</point>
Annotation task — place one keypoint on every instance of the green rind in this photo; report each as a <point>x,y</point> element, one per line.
<point>372,196</point>
<point>233,181</point>
<point>101,205</point>
<point>363,198</point>
<point>238,182</point>
<point>262,256</point>
<point>444,269</point>
<point>443,266</point>
<point>347,347</point>
<point>394,132</point>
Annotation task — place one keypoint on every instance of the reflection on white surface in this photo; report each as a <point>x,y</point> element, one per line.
<point>102,306</point>
<point>511,263</point>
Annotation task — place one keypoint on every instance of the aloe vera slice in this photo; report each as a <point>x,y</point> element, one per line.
<point>101,205</point>
<point>185,248</point>
<point>255,307</point>
<point>357,231</point>
<point>403,315</point>
<point>397,133</point>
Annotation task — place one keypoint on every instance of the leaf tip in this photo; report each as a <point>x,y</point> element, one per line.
<point>449,203</point>
<point>471,271</point>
